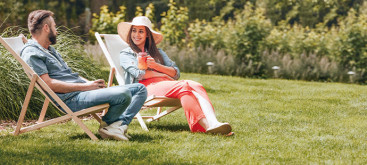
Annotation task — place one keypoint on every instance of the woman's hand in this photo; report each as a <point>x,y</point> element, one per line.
<point>169,71</point>
<point>151,63</point>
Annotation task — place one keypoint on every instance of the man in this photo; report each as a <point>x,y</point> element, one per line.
<point>77,92</point>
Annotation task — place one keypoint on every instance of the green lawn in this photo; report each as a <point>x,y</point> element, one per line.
<point>275,122</point>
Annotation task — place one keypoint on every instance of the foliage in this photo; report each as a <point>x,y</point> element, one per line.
<point>11,12</point>
<point>69,13</point>
<point>70,46</point>
<point>207,34</point>
<point>14,83</point>
<point>106,22</point>
<point>74,13</point>
<point>309,12</point>
<point>345,44</point>
<point>275,122</point>
<point>174,24</point>
<point>241,37</point>
<point>296,40</point>
<point>149,12</point>
<point>245,36</point>
<point>352,43</point>
<point>139,11</point>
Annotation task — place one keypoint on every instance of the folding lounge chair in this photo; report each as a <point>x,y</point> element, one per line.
<point>14,46</point>
<point>111,48</point>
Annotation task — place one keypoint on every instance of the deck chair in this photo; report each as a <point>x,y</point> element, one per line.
<point>111,47</point>
<point>14,45</point>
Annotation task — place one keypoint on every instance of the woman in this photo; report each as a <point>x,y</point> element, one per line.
<point>161,74</point>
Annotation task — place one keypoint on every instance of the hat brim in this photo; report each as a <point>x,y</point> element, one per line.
<point>123,29</point>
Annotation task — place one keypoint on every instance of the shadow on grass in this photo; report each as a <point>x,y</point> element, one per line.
<point>210,90</point>
<point>134,137</point>
<point>177,127</point>
<point>143,137</point>
<point>83,136</point>
<point>170,127</point>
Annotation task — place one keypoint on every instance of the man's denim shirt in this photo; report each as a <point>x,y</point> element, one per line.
<point>48,61</point>
<point>129,62</point>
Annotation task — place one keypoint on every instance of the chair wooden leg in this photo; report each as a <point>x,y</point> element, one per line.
<point>85,128</point>
<point>97,117</point>
<point>141,121</point>
<point>43,111</point>
<point>159,110</point>
<point>110,76</point>
<point>44,124</point>
<point>168,111</point>
<point>109,84</point>
<point>25,105</point>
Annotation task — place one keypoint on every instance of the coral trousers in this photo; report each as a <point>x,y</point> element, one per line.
<point>182,90</point>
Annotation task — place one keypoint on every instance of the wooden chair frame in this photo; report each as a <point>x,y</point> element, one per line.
<point>14,45</point>
<point>152,101</point>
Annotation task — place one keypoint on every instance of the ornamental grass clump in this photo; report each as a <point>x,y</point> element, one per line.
<point>303,67</point>
<point>14,82</point>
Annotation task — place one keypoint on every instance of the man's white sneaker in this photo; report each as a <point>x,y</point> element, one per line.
<point>124,128</point>
<point>114,131</point>
<point>220,128</point>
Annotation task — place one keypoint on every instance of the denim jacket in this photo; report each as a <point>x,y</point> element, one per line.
<point>129,62</point>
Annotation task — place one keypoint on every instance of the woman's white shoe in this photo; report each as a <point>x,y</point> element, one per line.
<point>220,128</point>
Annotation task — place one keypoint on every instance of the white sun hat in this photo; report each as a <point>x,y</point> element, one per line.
<point>123,28</point>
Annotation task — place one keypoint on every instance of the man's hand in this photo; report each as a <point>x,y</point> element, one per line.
<point>96,84</point>
<point>65,87</point>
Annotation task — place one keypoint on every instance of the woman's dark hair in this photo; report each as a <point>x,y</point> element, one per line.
<point>149,45</point>
<point>36,20</point>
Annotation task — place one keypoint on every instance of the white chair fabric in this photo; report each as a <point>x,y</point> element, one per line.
<point>114,45</point>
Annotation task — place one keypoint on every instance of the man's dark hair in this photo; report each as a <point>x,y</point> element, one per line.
<point>37,19</point>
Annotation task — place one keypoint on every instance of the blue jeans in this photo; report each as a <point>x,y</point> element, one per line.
<point>125,101</point>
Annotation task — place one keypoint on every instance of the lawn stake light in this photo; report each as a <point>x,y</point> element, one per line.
<point>275,68</point>
<point>210,66</point>
<point>351,75</point>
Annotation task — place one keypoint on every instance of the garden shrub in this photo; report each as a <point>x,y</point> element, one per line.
<point>195,60</point>
<point>244,37</point>
<point>352,44</point>
<point>149,12</point>
<point>309,67</point>
<point>174,24</point>
<point>241,38</point>
<point>106,22</point>
<point>306,67</point>
<point>206,34</point>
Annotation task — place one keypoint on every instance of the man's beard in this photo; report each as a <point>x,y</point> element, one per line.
<point>52,37</point>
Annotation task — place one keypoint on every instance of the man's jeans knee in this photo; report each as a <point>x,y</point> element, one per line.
<point>139,95</point>
<point>125,101</point>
